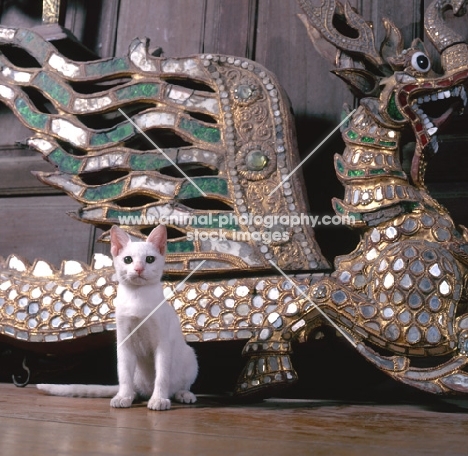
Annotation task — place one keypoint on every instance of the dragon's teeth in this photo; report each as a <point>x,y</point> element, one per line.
<point>432,131</point>
<point>440,96</point>
<point>427,98</point>
<point>420,100</point>
<point>447,94</point>
<point>434,97</point>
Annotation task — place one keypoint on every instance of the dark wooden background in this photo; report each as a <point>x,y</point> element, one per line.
<point>33,217</point>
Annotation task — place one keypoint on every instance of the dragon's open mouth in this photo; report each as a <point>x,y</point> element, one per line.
<point>435,109</point>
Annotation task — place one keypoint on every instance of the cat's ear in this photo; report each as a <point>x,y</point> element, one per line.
<point>119,239</point>
<point>158,237</point>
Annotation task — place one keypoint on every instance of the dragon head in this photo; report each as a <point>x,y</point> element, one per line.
<point>397,85</point>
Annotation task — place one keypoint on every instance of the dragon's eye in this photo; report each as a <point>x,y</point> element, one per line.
<point>150,259</point>
<point>128,260</point>
<point>420,62</point>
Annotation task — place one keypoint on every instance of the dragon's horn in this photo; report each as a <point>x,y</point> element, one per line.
<point>444,37</point>
<point>393,43</point>
<point>321,18</point>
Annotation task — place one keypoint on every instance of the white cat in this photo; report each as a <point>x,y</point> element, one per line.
<point>153,360</point>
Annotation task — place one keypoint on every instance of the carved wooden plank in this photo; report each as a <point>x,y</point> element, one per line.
<point>38,227</point>
<point>106,35</point>
<point>16,178</point>
<point>26,13</point>
<point>12,129</point>
<point>229,27</point>
<point>176,26</point>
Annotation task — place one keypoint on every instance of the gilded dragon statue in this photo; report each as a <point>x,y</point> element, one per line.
<point>398,298</point>
<point>400,295</point>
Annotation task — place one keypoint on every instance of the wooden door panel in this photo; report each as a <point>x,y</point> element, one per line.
<point>39,227</point>
<point>175,26</point>
<point>230,27</point>
<point>16,178</point>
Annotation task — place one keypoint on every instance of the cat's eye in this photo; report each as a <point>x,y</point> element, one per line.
<point>150,259</point>
<point>128,260</point>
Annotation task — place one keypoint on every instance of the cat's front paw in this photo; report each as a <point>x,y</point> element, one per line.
<point>185,397</point>
<point>158,403</point>
<point>121,401</point>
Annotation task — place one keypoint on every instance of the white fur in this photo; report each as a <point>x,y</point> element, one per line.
<point>154,363</point>
<point>79,390</point>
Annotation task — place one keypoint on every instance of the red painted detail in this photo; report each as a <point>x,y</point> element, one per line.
<point>409,88</point>
<point>410,113</point>
<point>460,76</point>
<point>445,83</point>
<point>403,99</point>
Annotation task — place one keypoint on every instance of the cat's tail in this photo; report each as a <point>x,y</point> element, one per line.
<point>79,390</point>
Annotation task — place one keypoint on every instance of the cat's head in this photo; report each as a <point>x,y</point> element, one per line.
<point>139,263</point>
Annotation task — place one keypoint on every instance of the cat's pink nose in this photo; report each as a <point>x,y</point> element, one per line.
<point>138,269</point>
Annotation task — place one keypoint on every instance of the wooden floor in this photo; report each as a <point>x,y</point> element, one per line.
<point>33,423</point>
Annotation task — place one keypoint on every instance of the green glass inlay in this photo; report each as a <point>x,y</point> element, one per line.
<point>377,172</point>
<point>368,139</point>
<point>388,143</point>
<point>339,208</point>
<point>221,221</point>
<point>411,207</point>
<point>117,134</point>
<point>256,160</point>
<point>340,166</point>
<point>352,134</point>
<point>147,162</point>
<point>106,67</point>
<point>65,162</point>
<point>398,174</point>
<point>200,131</point>
<point>345,115</point>
<point>104,192</point>
<point>356,173</point>
<point>142,90</point>
<point>34,44</point>
<point>54,89</point>
<point>33,119</point>
<point>214,185</point>
<point>117,213</point>
<point>393,110</point>
<point>180,247</point>
<point>355,215</point>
